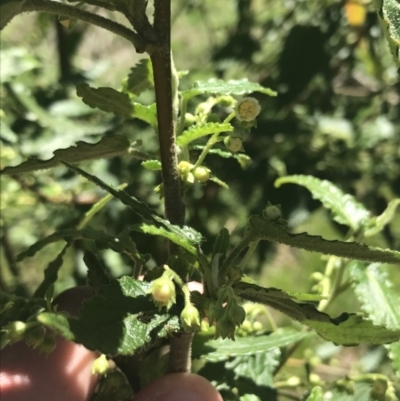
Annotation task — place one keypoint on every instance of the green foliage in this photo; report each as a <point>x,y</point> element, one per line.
<point>198,131</point>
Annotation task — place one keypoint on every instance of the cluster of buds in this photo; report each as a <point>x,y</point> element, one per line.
<point>226,312</point>
<point>191,174</point>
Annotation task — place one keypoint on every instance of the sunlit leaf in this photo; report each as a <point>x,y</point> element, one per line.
<point>378,223</point>
<point>232,87</point>
<point>153,165</point>
<point>221,350</point>
<point>108,146</point>
<point>197,131</point>
<point>345,209</point>
<point>380,299</point>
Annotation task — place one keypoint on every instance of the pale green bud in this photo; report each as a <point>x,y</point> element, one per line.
<point>190,316</point>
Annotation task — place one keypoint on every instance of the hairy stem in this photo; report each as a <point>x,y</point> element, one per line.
<point>57,8</point>
<point>180,352</point>
<point>160,56</point>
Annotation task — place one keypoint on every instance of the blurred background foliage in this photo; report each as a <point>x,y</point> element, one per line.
<point>336,117</point>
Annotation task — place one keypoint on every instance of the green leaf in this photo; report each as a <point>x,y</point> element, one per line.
<point>389,17</point>
<point>379,299</point>
<point>279,300</point>
<point>106,99</point>
<point>110,100</point>
<point>198,131</point>
<point>16,61</point>
<point>316,394</point>
<point>153,165</point>
<point>121,319</point>
<point>222,350</point>
<point>222,242</point>
<point>232,87</point>
<point>258,368</point>
<point>8,10</point>
<point>108,146</point>
<point>140,78</point>
<point>188,236</point>
<point>346,210</point>
<point>182,236</point>
<point>51,273</point>
<point>352,329</point>
<point>221,183</point>
<point>271,231</point>
<point>378,223</point>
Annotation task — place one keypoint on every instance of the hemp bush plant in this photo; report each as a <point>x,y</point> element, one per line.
<point>227,326</point>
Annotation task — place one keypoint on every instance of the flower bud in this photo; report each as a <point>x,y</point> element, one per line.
<point>100,365</point>
<point>189,119</point>
<point>272,213</point>
<point>184,168</point>
<point>202,174</point>
<point>190,316</point>
<point>233,143</point>
<point>15,331</point>
<point>235,313</point>
<point>247,109</point>
<point>224,328</point>
<point>226,101</point>
<point>163,291</point>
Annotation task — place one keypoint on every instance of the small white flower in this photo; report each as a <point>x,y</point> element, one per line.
<point>247,109</point>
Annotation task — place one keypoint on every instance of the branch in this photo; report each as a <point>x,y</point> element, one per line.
<point>160,56</point>
<point>54,7</point>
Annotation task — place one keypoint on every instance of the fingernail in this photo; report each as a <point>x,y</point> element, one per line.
<point>182,395</point>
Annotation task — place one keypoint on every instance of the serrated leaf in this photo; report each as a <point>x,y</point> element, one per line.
<point>379,299</point>
<point>222,242</point>
<point>8,10</point>
<point>112,101</point>
<point>316,394</point>
<point>270,231</point>
<point>106,99</point>
<point>389,17</point>
<point>140,77</point>
<point>378,223</point>
<point>232,87</point>
<point>153,165</point>
<point>258,368</point>
<point>353,329</point>
<point>51,273</point>
<point>119,320</point>
<point>222,350</point>
<point>188,236</point>
<point>198,131</point>
<point>108,146</point>
<point>345,209</point>
<point>279,300</point>
<point>185,237</point>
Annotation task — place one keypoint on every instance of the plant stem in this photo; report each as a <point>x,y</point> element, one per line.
<point>160,56</point>
<point>180,352</point>
<point>57,8</point>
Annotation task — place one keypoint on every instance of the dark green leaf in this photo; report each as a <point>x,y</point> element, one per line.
<point>51,273</point>
<point>346,210</point>
<point>140,78</point>
<point>198,131</point>
<point>8,10</point>
<point>232,87</point>
<point>270,231</point>
<point>222,350</point>
<point>108,146</point>
<point>119,320</point>
<point>97,273</point>
<point>222,242</point>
